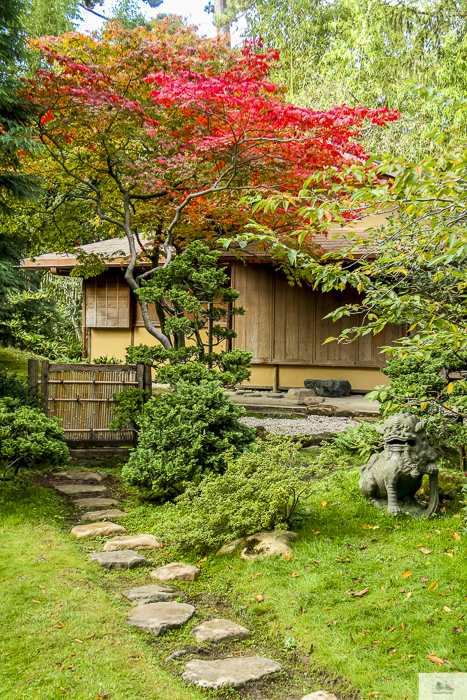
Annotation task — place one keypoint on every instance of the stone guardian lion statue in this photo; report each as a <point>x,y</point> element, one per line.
<point>392,478</point>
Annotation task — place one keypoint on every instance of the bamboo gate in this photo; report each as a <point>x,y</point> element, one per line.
<point>81,397</point>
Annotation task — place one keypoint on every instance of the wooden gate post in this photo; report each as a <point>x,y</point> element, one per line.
<point>33,377</point>
<point>45,387</point>
<point>147,382</point>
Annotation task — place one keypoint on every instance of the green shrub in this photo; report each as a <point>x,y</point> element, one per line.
<point>184,435</point>
<point>11,386</point>
<point>127,408</point>
<point>106,360</point>
<point>28,439</point>
<point>259,490</point>
<point>362,440</point>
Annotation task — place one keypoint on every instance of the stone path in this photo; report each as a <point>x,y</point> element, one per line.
<point>156,606</point>
<point>229,672</point>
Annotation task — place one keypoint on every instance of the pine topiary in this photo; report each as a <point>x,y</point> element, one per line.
<point>184,435</point>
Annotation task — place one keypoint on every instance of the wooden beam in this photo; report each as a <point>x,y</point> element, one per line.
<point>44,386</point>
<point>33,377</point>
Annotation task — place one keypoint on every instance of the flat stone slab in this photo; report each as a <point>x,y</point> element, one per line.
<point>95,503</point>
<point>219,631</point>
<point>145,595</point>
<point>119,561</point>
<point>96,515</point>
<point>96,529</point>
<point>319,695</point>
<point>229,672</point>
<point>83,475</point>
<point>70,489</point>
<point>176,572</point>
<point>134,542</point>
<point>157,617</point>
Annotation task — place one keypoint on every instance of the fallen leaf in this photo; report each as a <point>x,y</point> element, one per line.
<point>424,550</point>
<point>30,679</point>
<point>324,503</point>
<point>382,588</point>
<point>90,636</point>
<point>402,591</point>
<point>80,641</point>
<point>435,659</point>
<point>36,601</point>
<point>62,689</point>
<point>43,587</point>
<point>317,561</point>
<point>230,566</point>
<point>457,515</point>
<point>327,608</point>
<point>449,554</point>
<point>410,656</point>
<point>287,557</point>
<point>60,623</point>
<point>402,625</point>
<point>424,579</point>
<point>392,629</point>
<point>446,609</point>
<point>361,593</point>
<point>294,574</point>
<point>317,532</point>
<point>216,611</point>
<point>392,650</point>
<point>204,559</point>
<point>456,536</point>
<point>375,692</point>
<point>433,586</point>
<point>197,566</point>
<point>259,598</point>
<point>406,574</point>
<point>409,594</point>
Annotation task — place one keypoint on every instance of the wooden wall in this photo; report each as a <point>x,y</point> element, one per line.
<point>107,302</point>
<point>286,325</point>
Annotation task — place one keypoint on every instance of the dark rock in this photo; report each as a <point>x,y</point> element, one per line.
<point>332,388</point>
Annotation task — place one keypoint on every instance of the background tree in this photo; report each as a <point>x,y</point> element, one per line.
<point>146,127</point>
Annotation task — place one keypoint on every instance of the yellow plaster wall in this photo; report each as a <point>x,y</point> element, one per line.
<point>361,378</point>
<point>109,341</point>
<point>113,341</point>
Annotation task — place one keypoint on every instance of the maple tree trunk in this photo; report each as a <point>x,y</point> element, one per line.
<point>220,7</point>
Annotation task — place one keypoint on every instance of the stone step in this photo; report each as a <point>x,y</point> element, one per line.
<point>119,561</point>
<point>176,572</point>
<point>219,631</point>
<point>70,489</point>
<point>145,595</point>
<point>96,515</point>
<point>158,617</point>
<point>233,672</point>
<point>95,503</point>
<point>83,475</point>
<point>133,542</point>
<point>96,529</point>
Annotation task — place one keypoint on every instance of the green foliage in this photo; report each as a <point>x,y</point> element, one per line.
<point>184,435</point>
<point>361,440</point>
<point>192,296</point>
<point>184,364</point>
<point>259,490</point>
<point>12,387</point>
<point>128,407</point>
<point>28,439</point>
<point>106,360</point>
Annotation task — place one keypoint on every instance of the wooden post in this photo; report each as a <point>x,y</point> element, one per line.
<point>275,380</point>
<point>33,377</point>
<point>45,386</point>
<point>147,382</point>
<point>140,374</point>
<point>228,342</point>
<point>210,306</point>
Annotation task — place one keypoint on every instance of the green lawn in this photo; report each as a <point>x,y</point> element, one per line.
<point>324,636</point>
<point>51,598</point>
<point>14,360</point>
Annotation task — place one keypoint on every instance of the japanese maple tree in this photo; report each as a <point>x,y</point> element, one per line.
<point>161,133</point>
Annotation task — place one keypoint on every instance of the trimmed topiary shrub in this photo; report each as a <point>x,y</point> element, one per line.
<point>28,439</point>
<point>11,386</point>
<point>184,435</point>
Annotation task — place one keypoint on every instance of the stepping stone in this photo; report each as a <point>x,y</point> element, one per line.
<point>144,595</point>
<point>176,572</point>
<point>319,695</point>
<point>96,529</point>
<point>157,617</point>
<point>83,475</point>
<point>219,631</point>
<point>134,542</point>
<point>233,672</point>
<point>96,515</point>
<point>119,561</point>
<point>70,489</point>
<point>95,503</point>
